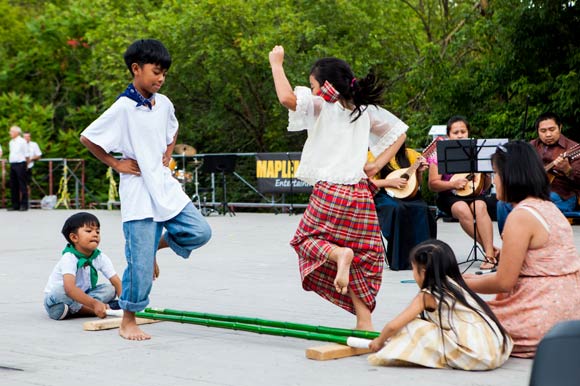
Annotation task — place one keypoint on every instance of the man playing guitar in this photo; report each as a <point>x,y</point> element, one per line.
<point>561,157</point>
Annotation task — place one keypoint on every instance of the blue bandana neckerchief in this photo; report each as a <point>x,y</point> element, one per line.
<point>132,93</point>
<point>84,261</point>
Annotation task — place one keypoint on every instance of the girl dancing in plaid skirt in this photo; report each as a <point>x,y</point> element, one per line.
<point>338,240</point>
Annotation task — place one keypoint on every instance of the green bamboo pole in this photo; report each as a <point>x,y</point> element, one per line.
<point>246,327</point>
<point>268,323</point>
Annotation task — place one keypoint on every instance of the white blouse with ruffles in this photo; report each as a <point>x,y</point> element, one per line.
<point>336,148</point>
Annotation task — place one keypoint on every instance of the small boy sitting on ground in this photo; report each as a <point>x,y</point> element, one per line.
<point>72,288</point>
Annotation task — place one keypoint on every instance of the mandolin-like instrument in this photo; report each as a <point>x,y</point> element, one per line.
<point>410,190</point>
<point>473,187</point>
<point>571,154</point>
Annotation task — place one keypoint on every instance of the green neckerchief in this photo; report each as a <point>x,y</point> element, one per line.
<point>84,261</point>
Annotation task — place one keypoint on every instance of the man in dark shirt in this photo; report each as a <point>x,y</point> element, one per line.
<point>561,157</point>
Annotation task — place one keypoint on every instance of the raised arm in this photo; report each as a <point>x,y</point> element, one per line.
<point>283,88</point>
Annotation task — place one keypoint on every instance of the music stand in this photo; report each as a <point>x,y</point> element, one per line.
<point>221,163</point>
<point>468,156</point>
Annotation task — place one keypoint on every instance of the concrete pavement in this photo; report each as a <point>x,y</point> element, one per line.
<point>247,269</point>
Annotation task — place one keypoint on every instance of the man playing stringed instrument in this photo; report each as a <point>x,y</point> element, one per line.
<point>561,158</point>
<point>460,206</point>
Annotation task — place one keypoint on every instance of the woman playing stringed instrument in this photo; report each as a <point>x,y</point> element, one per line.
<point>404,216</point>
<point>461,207</point>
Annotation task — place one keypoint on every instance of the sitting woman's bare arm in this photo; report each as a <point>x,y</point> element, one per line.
<point>522,232</point>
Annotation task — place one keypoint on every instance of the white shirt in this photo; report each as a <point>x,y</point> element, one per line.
<point>18,150</point>
<point>336,148</point>
<point>68,265</point>
<point>33,151</point>
<point>143,135</point>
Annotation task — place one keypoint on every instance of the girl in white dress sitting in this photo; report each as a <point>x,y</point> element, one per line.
<point>446,324</point>
<point>338,241</point>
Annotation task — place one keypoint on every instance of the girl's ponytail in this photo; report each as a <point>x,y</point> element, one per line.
<point>360,92</point>
<point>366,91</point>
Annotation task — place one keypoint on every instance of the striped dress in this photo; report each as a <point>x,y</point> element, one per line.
<point>470,345</point>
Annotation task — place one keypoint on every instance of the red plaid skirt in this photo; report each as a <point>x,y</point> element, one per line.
<point>343,216</point>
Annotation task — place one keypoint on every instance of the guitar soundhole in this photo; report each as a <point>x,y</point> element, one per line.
<point>405,176</point>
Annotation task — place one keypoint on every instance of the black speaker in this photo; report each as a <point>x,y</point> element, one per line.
<point>557,357</point>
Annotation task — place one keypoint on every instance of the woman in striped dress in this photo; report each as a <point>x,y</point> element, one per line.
<point>446,324</point>
<point>338,241</point>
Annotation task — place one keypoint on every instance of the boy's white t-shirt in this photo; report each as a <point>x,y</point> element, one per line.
<point>68,265</point>
<point>143,135</point>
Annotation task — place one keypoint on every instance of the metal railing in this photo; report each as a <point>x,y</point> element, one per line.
<point>210,192</point>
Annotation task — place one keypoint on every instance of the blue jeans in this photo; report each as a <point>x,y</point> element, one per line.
<point>185,232</point>
<point>504,208</point>
<point>102,292</point>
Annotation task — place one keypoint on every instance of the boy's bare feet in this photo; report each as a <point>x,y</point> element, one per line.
<point>343,258</point>
<point>129,328</point>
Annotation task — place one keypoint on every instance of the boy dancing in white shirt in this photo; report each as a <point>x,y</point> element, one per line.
<point>142,126</point>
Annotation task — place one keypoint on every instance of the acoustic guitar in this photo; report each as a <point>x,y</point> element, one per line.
<point>410,190</point>
<point>473,187</point>
<point>571,154</point>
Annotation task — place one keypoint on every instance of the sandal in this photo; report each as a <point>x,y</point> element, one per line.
<point>488,264</point>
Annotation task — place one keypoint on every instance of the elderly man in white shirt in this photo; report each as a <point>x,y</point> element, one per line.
<point>34,154</point>
<point>18,159</point>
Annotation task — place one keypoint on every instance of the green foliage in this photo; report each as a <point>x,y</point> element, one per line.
<point>486,60</point>
<point>24,111</point>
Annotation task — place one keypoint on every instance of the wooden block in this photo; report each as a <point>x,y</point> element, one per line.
<point>110,323</point>
<point>334,351</point>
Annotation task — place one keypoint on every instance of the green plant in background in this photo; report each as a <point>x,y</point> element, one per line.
<point>62,65</point>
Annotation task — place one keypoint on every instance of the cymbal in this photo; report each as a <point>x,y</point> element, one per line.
<point>183,149</point>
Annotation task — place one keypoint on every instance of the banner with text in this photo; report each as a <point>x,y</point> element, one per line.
<point>275,173</point>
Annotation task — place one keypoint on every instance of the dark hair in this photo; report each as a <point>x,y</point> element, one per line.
<point>521,172</point>
<point>147,51</point>
<point>362,92</point>
<point>77,220</point>
<point>438,260</point>
<point>545,116</point>
<point>457,118</point>
<point>402,161</point>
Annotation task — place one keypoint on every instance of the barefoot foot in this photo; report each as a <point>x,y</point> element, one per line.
<point>129,328</point>
<point>343,258</point>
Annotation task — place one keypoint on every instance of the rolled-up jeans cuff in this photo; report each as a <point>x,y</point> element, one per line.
<point>133,307</point>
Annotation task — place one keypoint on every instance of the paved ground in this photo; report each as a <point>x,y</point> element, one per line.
<point>247,269</point>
